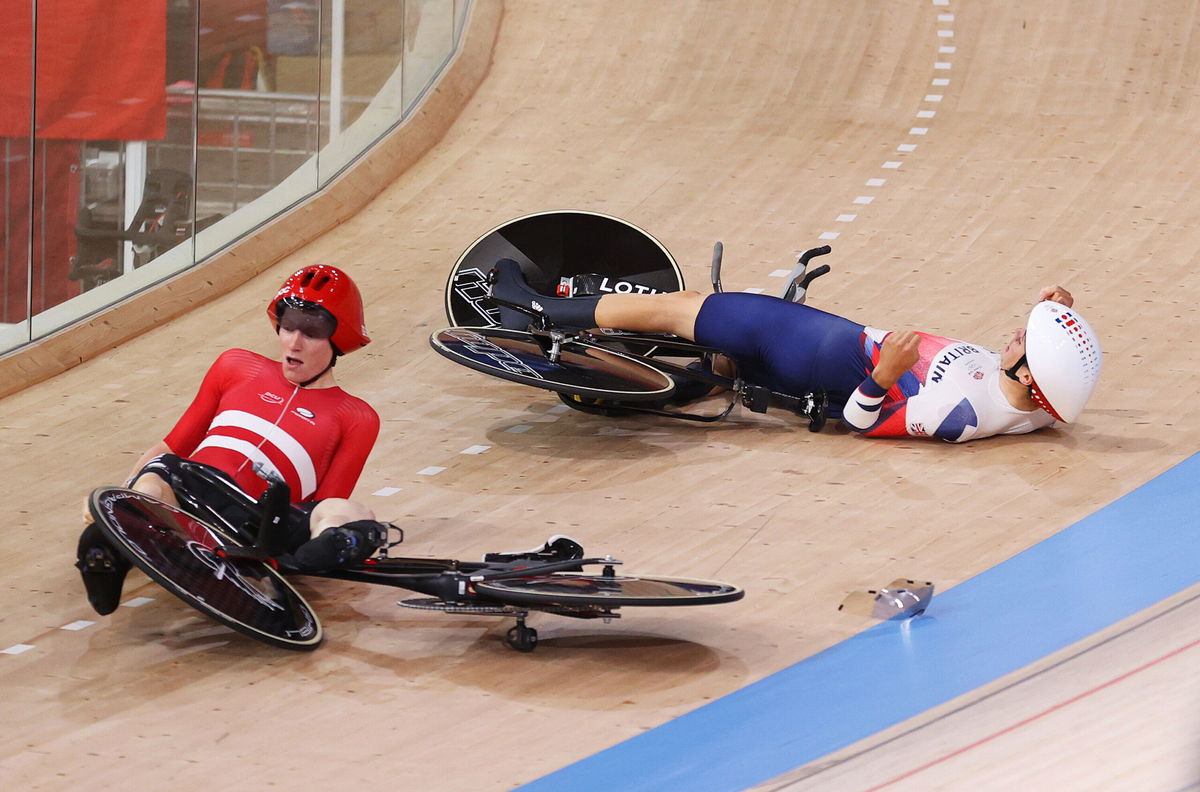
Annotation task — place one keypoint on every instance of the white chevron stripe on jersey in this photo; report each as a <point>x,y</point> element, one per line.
<point>288,445</point>
<point>246,449</point>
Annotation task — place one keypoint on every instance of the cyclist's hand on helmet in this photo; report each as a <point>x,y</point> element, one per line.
<point>900,352</point>
<point>1057,294</point>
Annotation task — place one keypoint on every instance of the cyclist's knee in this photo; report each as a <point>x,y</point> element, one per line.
<point>153,484</point>
<point>332,512</point>
<point>685,308</point>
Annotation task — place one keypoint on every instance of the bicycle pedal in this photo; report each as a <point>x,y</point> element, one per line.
<point>756,399</point>
<point>816,409</point>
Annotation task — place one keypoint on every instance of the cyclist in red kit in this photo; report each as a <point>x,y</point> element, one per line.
<point>256,418</point>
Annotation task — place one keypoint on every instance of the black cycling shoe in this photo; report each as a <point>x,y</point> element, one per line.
<point>508,284</point>
<point>344,546</point>
<point>103,570</point>
<point>556,548</point>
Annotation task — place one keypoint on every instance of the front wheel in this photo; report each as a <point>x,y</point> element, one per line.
<point>183,555</point>
<point>607,591</point>
<point>582,369</point>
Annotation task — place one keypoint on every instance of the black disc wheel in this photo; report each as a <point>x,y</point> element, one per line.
<point>552,246</point>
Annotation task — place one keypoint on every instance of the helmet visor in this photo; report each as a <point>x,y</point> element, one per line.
<point>308,318</point>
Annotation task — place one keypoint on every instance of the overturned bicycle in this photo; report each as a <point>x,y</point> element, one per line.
<point>602,371</point>
<point>216,554</point>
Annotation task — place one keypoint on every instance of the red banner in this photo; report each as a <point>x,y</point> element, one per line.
<point>101,69</point>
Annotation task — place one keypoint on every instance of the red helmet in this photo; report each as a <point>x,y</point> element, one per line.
<point>331,289</point>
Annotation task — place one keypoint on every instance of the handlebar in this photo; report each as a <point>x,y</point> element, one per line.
<point>809,255</point>
<point>718,253</point>
<point>800,278</point>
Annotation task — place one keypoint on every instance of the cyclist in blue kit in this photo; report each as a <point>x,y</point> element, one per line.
<point>882,384</point>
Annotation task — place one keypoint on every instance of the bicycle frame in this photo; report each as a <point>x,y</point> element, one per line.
<point>756,398</point>
<point>448,578</point>
<point>234,544</point>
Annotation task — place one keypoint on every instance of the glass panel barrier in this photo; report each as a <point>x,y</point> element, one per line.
<point>16,216</point>
<point>101,71</point>
<point>17,207</point>
<point>167,129</point>
<point>258,119</point>
<point>360,67</point>
<point>460,18</point>
<point>428,39</point>
<point>19,216</point>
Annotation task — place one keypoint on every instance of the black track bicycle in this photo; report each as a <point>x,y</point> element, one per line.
<point>602,371</point>
<point>214,553</point>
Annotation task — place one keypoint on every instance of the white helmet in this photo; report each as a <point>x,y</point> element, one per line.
<point>1064,359</point>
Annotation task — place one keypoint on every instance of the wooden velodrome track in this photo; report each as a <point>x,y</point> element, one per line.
<point>1060,148</point>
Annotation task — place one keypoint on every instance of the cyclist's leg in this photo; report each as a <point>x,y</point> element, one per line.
<point>154,484</point>
<point>670,312</point>
<point>332,512</point>
<point>782,345</point>
<point>101,565</point>
<point>342,533</point>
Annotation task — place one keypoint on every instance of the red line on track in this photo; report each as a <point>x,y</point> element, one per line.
<point>1038,716</point>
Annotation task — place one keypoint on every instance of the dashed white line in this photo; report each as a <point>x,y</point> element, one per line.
<point>432,470</point>
<point>864,199</point>
<point>475,449</point>
<point>386,492</point>
<point>76,626</point>
<point>16,649</point>
<point>137,602</point>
